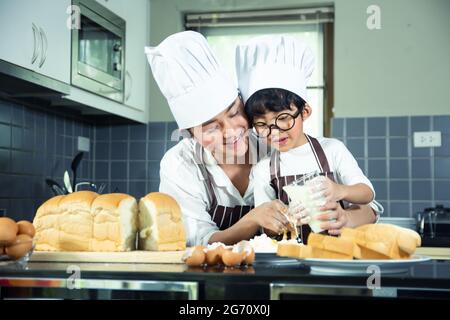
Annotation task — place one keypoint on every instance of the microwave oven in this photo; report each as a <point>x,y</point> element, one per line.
<point>98,50</point>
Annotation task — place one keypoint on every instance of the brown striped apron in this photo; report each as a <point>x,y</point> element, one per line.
<point>223,216</point>
<point>277,181</point>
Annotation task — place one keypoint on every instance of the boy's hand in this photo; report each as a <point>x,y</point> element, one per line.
<point>300,213</point>
<point>337,213</point>
<point>328,190</point>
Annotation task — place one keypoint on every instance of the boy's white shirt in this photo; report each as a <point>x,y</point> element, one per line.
<point>300,160</point>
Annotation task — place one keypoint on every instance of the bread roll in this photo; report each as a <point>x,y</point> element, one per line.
<point>160,223</point>
<point>86,221</point>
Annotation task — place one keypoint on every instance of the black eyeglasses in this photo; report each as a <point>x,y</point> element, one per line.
<point>283,122</point>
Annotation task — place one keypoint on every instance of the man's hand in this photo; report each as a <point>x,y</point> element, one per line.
<point>339,215</point>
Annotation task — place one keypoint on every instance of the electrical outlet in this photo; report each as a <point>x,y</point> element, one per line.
<point>83,144</point>
<point>427,139</point>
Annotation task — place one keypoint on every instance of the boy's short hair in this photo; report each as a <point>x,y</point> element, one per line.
<point>271,100</point>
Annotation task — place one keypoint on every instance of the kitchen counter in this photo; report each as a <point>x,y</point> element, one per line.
<point>263,281</point>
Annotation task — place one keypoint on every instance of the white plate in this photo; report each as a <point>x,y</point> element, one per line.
<point>335,266</point>
<point>271,259</point>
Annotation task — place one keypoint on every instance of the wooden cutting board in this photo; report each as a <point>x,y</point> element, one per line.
<point>109,257</point>
<point>434,252</point>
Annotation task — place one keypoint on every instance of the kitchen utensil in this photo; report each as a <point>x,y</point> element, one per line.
<point>56,188</point>
<point>58,191</point>
<point>101,188</point>
<point>67,182</point>
<point>91,186</point>
<point>52,183</point>
<point>74,166</point>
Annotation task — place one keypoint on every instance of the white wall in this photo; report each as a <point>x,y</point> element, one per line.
<point>401,69</point>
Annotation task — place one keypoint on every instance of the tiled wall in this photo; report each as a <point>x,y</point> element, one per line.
<point>35,145</point>
<point>406,179</point>
<point>128,156</point>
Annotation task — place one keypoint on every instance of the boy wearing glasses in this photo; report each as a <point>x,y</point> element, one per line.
<point>272,74</point>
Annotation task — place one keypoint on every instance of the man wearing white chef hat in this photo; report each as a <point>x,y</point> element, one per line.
<point>216,198</point>
<point>273,72</point>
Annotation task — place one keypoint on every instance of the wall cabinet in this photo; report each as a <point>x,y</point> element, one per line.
<point>35,36</point>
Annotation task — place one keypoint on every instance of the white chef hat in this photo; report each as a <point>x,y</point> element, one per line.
<point>190,77</point>
<point>276,61</point>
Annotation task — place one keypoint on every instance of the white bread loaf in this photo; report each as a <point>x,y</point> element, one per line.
<point>160,223</point>
<point>372,241</point>
<point>86,221</point>
<point>328,247</point>
<point>383,241</point>
<point>319,246</point>
<point>294,250</point>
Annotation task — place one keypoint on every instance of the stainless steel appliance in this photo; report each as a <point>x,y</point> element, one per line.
<point>433,224</point>
<point>98,50</point>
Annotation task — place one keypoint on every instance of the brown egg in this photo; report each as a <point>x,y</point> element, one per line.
<point>20,246</point>
<point>8,230</point>
<point>231,258</point>
<point>195,256</point>
<point>214,255</point>
<point>26,227</point>
<point>250,257</point>
<point>247,249</point>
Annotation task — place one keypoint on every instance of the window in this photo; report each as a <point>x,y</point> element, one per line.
<point>225,31</point>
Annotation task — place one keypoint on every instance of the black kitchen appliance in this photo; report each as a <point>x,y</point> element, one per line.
<point>433,225</point>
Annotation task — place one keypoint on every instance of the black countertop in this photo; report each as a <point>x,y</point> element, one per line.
<point>261,281</point>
